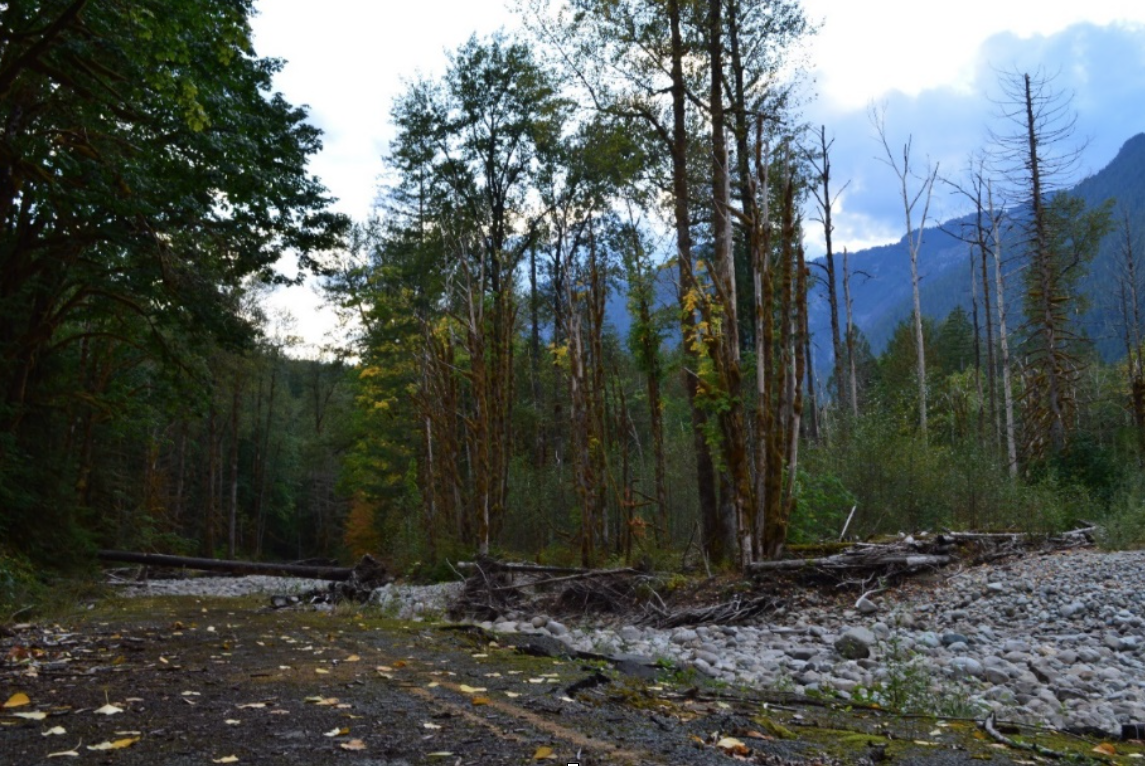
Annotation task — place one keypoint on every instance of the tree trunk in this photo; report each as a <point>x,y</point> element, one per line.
<point>705,469</point>
<point>1003,340</point>
<point>852,371</point>
<point>233,509</point>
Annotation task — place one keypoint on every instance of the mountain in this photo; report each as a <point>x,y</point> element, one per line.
<point>880,288</point>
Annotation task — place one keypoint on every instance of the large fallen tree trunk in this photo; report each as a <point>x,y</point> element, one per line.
<point>222,565</point>
<point>844,562</point>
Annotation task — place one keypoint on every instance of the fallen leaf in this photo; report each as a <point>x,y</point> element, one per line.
<point>321,671</point>
<point>512,694</point>
<point>479,700</point>
<point>108,709</point>
<point>753,734</point>
<point>353,658</point>
<point>118,744</point>
<point>250,705</point>
<point>54,731</point>
<point>729,743</point>
<point>19,699</point>
<point>466,689</point>
<point>232,722</point>
<point>429,725</point>
<point>924,743</point>
<point>67,753</point>
<point>354,744</point>
<point>439,754</point>
<point>36,716</point>
<point>322,701</point>
<point>400,664</point>
<point>1105,749</point>
<point>542,753</point>
<point>225,759</point>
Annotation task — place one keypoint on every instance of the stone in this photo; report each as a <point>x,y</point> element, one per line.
<point>967,666</point>
<point>1073,608</point>
<point>855,644</point>
<point>556,629</point>
<point>929,639</point>
<point>866,606</point>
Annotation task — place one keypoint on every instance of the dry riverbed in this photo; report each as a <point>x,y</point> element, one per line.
<point>186,680</point>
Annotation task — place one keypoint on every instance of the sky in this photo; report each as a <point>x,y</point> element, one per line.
<point>933,73</point>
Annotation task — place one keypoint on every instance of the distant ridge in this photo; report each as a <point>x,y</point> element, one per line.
<point>882,300</point>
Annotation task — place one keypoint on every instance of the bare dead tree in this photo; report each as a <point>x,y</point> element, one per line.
<point>910,201</point>
<point>824,201</point>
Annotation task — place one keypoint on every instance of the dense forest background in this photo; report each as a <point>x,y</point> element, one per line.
<point>583,324</point>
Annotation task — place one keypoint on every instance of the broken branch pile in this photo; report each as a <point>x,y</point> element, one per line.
<point>910,555</point>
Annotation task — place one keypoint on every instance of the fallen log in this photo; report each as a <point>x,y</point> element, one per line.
<point>843,562</point>
<point>223,565</point>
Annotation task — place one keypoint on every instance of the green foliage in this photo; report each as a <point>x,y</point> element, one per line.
<point>150,178</point>
<point>907,685</point>
<point>823,505</point>
<point>20,586</point>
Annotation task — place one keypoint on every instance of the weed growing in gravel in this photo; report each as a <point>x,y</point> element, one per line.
<point>909,686</point>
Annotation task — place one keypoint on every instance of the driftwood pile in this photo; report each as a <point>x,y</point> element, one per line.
<point>366,576</point>
<point>501,590</point>
<point>496,589</point>
<point>862,562</point>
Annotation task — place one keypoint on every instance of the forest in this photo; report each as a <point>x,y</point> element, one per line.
<point>646,160</point>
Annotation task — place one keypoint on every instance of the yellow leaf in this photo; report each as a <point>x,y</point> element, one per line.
<point>321,671</point>
<point>480,700</point>
<point>55,730</point>
<point>108,709</point>
<point>251,705</point>
<point>1105,749</point>
<point>337,732</point>
<point>400,664</point>
<point>512,694</point>
<point>19,699</point>
<point>466,689</point>
<point>322,701</point>
<point>36,716</point>
<point>354,744</point>
<point>232,722</point>
<point>226,759</point>
<point>542,753</point>
<point>118,744</point>
<point>353,658</point>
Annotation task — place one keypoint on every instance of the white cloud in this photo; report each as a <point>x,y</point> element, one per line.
<point>868,49</point>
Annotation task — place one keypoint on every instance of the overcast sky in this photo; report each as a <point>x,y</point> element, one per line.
<point>934,72</point>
